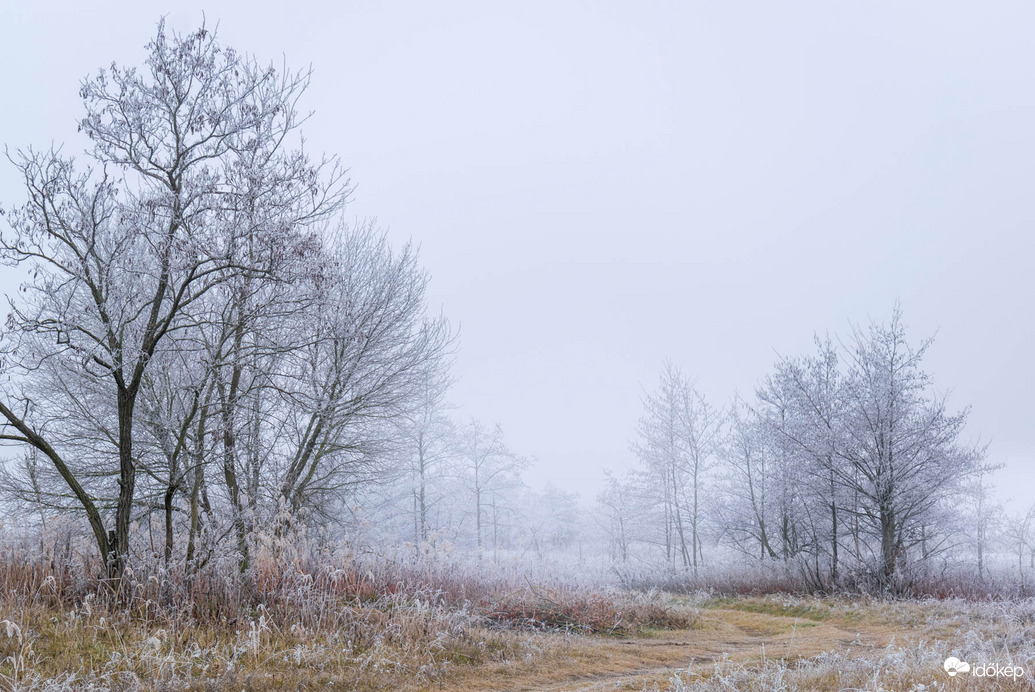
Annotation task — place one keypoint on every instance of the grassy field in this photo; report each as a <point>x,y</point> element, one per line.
<point>508,638</point>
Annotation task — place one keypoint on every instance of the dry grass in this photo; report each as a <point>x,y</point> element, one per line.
<point>405,642</point>
<point>394,642</point>
<point>297,620</point>
<point>306,618</point>
<point>899,645</point>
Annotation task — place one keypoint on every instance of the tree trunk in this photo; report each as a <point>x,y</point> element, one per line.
<point>888,545</point>
<point>118,552</point>
<point>693,527</point>
<point>168,503</point>
<point>196,486</point>
<point>495,531</point>
<point>423,505</point>
<point>478,517</point>
<point>833,542</point>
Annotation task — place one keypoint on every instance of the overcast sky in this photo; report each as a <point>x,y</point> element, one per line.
<point>599,186</point>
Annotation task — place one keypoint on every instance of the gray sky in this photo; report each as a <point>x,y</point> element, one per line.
<point>599,186</point>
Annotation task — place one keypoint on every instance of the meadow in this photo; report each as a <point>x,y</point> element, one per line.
<point>309,619</point>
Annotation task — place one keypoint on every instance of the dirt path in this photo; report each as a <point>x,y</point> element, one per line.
<point>599,664</point>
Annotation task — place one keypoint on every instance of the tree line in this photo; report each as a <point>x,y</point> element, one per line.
<point>845,466</point>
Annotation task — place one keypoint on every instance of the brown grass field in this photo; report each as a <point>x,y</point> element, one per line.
<point>524,639</point>
<point>306,620</point>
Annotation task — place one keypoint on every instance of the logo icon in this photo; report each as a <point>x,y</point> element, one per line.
<point>953,665</point>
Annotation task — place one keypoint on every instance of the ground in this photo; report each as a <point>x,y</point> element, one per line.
<point>737,638</point>
<point>601,663</point>
<point>775,642</point>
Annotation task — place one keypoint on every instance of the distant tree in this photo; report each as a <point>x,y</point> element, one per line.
<point>676,439</point>
<point>849,456</point>
<point>616,508</point>
<point>427,439</point>
<point>984,520</point>
<point>489,468</point>
<point>750,483</point>
<point>801,406</point>
<point>551,519</point>
<point>1020,531</point>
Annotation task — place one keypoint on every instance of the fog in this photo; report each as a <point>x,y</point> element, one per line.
<point>598,187</point>
<point>533,345</point>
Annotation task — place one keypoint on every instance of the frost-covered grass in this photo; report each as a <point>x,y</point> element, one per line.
<point>385,642</point>
<point>295,620</point>
<point>997,633</point>
<point>318,616</point>
<point>912,668</point>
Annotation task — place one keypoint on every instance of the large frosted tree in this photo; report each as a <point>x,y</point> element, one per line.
<point>900,442</point>
<point>196,176</point>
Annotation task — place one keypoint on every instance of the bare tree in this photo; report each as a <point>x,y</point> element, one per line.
<point>489,467</point>
<point>985,518</point>
<point>616,508</point>
<point>677,435</point>
<point>368,359</point>
<point>802,407</point>
<point>747,516</point>
<point>192,155</point>
<point>427,440</point>
<point>1020,531</point>
<point>848,456</point>
<point>900,443</point>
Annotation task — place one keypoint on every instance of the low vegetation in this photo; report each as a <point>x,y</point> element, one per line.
<point>334,620</point>
<point>900,645</point>
<point>294,622</point>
